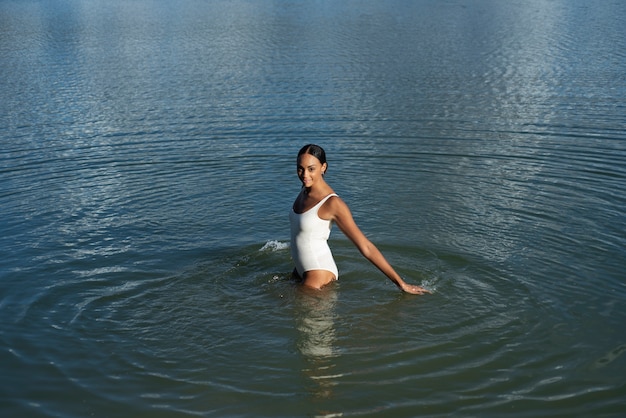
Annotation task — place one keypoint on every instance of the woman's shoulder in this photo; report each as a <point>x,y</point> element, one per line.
<point>334,206</point>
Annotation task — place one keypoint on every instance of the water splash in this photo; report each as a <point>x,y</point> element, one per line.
<point>274,245</point>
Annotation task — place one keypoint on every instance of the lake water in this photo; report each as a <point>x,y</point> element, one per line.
<point>148,168</point>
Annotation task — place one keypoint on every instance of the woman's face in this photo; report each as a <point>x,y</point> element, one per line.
<point>310,169</point>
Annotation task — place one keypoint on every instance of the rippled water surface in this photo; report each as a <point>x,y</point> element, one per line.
<point>148,167</point>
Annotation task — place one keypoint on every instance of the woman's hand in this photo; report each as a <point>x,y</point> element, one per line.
<point>413,289</point>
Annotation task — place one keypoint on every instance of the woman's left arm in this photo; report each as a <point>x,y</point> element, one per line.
<point>342,216</point>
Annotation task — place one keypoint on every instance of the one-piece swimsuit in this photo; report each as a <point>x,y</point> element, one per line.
<point>309,240</point>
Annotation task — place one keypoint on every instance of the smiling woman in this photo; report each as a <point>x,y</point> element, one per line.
<point>314,209</point>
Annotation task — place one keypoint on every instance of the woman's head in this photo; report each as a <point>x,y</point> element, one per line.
<point>311,165</point>
<point>314,150</point>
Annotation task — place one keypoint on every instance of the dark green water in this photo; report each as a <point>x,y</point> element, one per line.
<point>148,168</point>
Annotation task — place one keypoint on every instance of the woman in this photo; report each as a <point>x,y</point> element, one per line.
<point>313,211</point>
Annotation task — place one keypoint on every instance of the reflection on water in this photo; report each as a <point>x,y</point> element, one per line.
<point>315,314</point>
<point>609,357</point>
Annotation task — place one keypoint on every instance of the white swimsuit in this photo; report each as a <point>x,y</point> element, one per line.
<point>309,236</point>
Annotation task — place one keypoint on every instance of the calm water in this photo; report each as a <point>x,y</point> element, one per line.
<point>147,167</point>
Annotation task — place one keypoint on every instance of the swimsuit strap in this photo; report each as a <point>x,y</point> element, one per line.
<point>321,202</point>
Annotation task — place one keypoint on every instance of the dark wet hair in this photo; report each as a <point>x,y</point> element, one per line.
<point>314,150</point>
